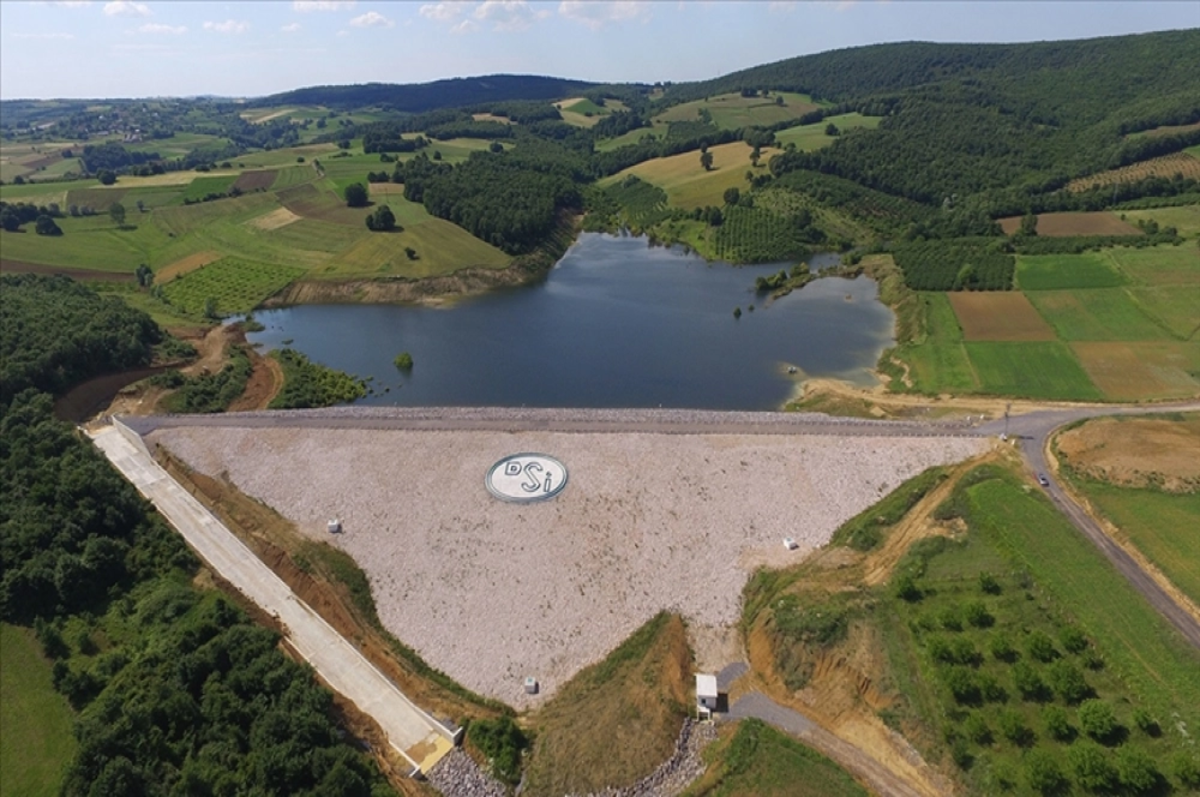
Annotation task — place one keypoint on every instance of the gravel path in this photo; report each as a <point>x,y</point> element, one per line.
<point>491,592</point>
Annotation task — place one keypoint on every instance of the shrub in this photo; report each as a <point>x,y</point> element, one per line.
<point>356,195</point>
<point>1040,647</point>
<point>1029,682</point>
<point>950,619</point>
<point>1002,648</point>
<point>1043,774</point>
<point>976,729</point>
<point>1186,770</point>
<point>403,361</point>
<point>988,584</point>
<point>1091,767</point>
<point>1058,727</point>
<point>1068,682</point>
<point>1013,727</point>
<point>1146,723</point>
<point>906,589</point>
<point>963,685</point>
<point>1097,720</point>
<point>1137,770</point>
<point>1073,640</point>
<point>978,615</point>
<point>993,692</point>
<point>503,742</point>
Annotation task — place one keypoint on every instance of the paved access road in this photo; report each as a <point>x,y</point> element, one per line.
<point>418,737</point>
<point>1033,431</point>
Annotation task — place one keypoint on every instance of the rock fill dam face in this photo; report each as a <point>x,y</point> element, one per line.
<point>492,591</point>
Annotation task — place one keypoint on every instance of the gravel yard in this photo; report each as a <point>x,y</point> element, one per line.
<point>491,592</point>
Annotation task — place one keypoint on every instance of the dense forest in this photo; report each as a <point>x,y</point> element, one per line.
<point>177,691</point>
<point>421,97</point>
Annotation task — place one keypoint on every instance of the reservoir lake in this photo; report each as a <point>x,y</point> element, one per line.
<point>617,323</point>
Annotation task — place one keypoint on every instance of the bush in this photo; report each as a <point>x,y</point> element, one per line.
<point>1091,767</point>
<point>963,685</point>
<point>1040,647</point>
<point>1097,720</point>
<point>1043,774</point>
<point>1068,682</point>
<point>1013,727</point>
<point>977,730</point>
<point>989,584</point>
<point>1146,723</point>
<point>403,361</point>
<point>906,589</point>
<point>356,195</point>
<point>1136,770</point>
<point>950,618</point>
<point>1002,648</point>
<point>978,615</point>
<point>1058,727</point>
<point>1186,770</point>
<point>503,742</point>
<point>1029,682</point>
<point>1073,640</point>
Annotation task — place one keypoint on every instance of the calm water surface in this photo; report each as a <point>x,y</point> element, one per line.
<point>616,324</point>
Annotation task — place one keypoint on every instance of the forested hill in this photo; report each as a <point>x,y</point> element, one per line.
<point>1058,81</point>
<point>421,97</point>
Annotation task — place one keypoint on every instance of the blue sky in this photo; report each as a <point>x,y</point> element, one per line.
<point>138,48</point>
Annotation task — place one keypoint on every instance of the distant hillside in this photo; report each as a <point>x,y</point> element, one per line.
<point>421,97</point>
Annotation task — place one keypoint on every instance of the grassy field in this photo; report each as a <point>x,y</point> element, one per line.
<point>686,182</point>
<point>998,315</point>
<point>1185,219</point>
<point>632,137</point>
<point>1142,370</point>
<point>1058,272</point>
<point>754,758</point>
<point>731,111</point>
<point>36,741</point>
<point>1046,370</point>
<point>1097,314</point>
<point>1159,265</point>
<point>1176,308</point>
<point>810,137</point>
<point>615,721</point>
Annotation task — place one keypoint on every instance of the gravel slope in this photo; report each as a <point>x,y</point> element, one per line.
<point>491,592</point>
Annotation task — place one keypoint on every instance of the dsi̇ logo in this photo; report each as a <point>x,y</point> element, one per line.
<point>523,478</point>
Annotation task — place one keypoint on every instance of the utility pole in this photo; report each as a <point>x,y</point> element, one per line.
<point>1007,408</point>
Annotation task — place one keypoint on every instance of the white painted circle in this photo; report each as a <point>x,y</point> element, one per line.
<point>523,478</point>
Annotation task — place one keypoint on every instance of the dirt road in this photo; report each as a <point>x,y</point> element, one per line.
<point>419,738</point>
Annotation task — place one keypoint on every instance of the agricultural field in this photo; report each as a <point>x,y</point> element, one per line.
<point>731,111</point>
<point>1141,371</point>
<point>1097,314</point>
<point>1159,265</point>
<point>202,187</point>
<point>1061,225</point>
<point>1185,219</point>
<point>36,740</point>
<point>993,315</point>
<point>1143,474</point>
<point>581,112</point>
<point>1041,370</point>
<point>229,285</point>
<point>1186,163</point>
<point>686,182</point>
<point>811,137</point>
<point>658,131</point>
<point>1057,272</point>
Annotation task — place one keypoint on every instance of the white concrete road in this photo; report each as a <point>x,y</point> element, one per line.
<point>417,736</point>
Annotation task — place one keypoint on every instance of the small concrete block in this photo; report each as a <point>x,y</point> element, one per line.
<point>531,686</point>
<point>790,544</point>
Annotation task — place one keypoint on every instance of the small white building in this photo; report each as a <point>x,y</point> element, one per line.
<point>706,695</point>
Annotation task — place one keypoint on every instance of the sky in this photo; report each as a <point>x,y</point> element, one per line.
<point>136,48</point>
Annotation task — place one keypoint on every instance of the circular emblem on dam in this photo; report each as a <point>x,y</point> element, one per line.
<point>523,478</point>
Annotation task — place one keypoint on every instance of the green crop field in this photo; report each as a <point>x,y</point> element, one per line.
<point>1039,370</point>
<point>1097,314</point>
<point>810,137</point>
<point>757,759</point>
<point>203,186</point>
<point>237,286</point>
<point>1160,265</point>
<point>1177,307</point>
<point>1055,272</point>
<point>632,137</point>
<point>36,742</point>
<point>441,248</point>
<point>686,182</point>
<point>92,243</point>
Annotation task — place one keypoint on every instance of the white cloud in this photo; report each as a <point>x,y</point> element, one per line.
<point>781,6</point>
<point>43,36</point>
<point>304,6</point>
<point>506,15</point>
<point>126,8</point>
<point>230,26</point>
<point>73,3</point>
<point>343,33</point>
<point>292,28</point>
<point>372,19</point>
<point>443,12</point>
<point>154,27</point>
<point>466,26</point>
<point>595,14</point>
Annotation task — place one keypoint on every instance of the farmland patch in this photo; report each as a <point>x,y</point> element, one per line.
<point>998,316</point>
<point>1185,219</point>
<point>686,182</point>
<point>1177,307</point>
<point>1136,452</point>
<point>1097,314</point>
<point>1059,225</point>
<point>1051,272</point>
<point>1166,166</point>
<point>235,285</point>
<point>205,187</point>
<point>186,265</point>
<point>1139,371</point>
<point>280,217</point>
<point>1041,370</point>
<point>731,111</point>
<point>256,180</point>
<point>810,137</point>
<point>98,199</point>
<point>1160,265</point>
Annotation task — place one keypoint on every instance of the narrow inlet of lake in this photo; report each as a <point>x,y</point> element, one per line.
<point>617,323</point>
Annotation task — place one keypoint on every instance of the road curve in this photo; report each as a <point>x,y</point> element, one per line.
<point>1033,431</point>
